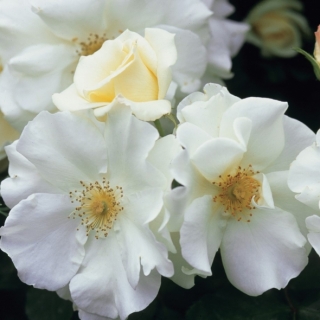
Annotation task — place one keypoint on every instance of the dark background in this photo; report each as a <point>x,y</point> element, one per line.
<point>214,298</point>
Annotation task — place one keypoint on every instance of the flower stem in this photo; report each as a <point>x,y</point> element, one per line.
<point>159,127</point>
<point>172,119</point>
<point>292,307</point>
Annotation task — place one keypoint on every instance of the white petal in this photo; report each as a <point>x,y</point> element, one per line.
<point>75,137</point>
<point>40,64</point>
<point>187,174</point>
<point>176,202</point>
<point>313,226</point>
<point>24,179</point>
<point>101,286</point>
<point>20,31</point>
<point>192,59</point>
<point>191,137</point>
<point>201,233</point>
<point>206,110</point>
<point>217,156</point>
<point>266,141</point>
<point>188,14</point>
<point>42,242</point>
<point>138,245</point>
<point>310,196</point>
<point>285,199</point>
<point>72,19</point>
<point>185,281</point>
<point>143,206</point>
<point>89,316</point>
<point>159,227</point>
<point>297,137</point>
<point>129,138</point>
<point>305,170</point>
<point>162,154</point>
<point>14,113</point>
<point>264,253</point>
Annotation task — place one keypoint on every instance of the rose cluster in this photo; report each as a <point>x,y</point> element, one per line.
<point>88,86</point>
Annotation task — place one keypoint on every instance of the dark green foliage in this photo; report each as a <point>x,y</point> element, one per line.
<point>43,304</point>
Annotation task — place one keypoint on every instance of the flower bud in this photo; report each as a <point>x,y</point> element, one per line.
<point>277,27</point>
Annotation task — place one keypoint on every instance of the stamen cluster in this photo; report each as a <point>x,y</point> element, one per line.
<point>93,44</point>
<point>237,192</point>
<point>99,206</point>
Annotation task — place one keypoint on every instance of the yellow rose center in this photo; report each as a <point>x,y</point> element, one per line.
<point>99,206</point>
<point>237,192</point>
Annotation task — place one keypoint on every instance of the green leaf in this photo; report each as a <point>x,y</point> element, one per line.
<point>43,304</point>
<point>310,308</point>
<point>231,304</point>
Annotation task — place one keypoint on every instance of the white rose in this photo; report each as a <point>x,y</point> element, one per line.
<point>43,44</point>
<point>136,68</point>
<point>276,27</point>
<point>234,195</point>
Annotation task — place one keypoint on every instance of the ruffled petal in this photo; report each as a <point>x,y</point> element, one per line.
<point>101,286</point>
<point>313,226</point>
<point>205,110</point>
<point>41,145</point>
<point>24,179</point>
<point>73,19</point>
<point>266,140</point>
<point>191,137</point>
<point>42,242</point>
<point>192,59</point>
<point>162,155</point>
<point>17,33</point>
<point>89,316</point>
<point>297,137</point>
<point>264,253</point>
<point>14,113</point>
<point>187,174</point>
<point>182,279</point>
<point>201,233</point>
<point>217,156</point>
<point>40,64</point>
<point>285,199</point>
<point>138,245</point>
<point>305,170</point>
<point>129,142</point>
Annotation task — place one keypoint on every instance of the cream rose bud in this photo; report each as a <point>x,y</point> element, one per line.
<point>133,68</point>
<point>277,27</point>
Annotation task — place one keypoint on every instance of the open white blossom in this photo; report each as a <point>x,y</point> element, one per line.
<point>234,171</point>
<point>85,197</point>
<point>304,179</point>
<point>133,67</point>
<point>43,45</point>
